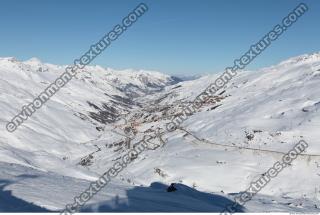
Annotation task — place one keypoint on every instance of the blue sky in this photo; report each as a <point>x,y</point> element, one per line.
<point>176,37</point>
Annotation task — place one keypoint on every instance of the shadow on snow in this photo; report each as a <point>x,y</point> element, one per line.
<point>10,203</point>
<point>156,199</point>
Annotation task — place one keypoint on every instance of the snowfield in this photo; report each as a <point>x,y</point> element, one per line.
<point>232,140</point>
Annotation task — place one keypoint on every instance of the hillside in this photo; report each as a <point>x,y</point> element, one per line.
<point>214,155</point>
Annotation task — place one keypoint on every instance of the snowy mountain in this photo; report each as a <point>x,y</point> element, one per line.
<point>214,155</point>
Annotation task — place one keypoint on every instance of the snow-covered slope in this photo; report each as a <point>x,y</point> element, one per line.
<point>74,116</point>
<point>217,152</point>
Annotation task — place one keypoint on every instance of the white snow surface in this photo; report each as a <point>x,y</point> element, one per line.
<point>217,153</point>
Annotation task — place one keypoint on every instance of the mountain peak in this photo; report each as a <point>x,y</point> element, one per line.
<point>33,60</point>
<point>302,58</point>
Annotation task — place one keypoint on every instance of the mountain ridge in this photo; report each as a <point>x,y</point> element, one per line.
<point>102,113</point>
